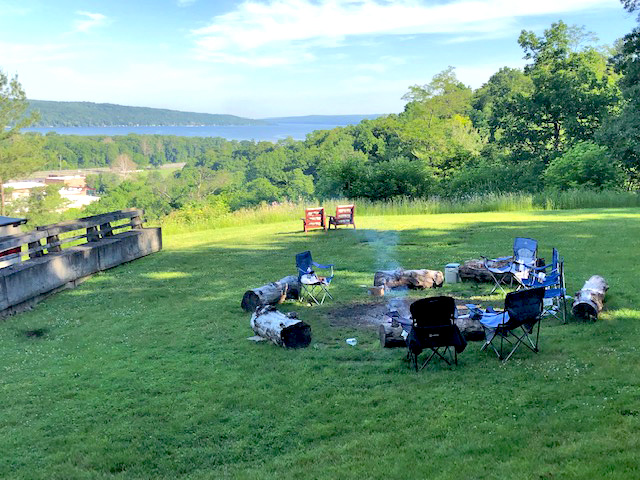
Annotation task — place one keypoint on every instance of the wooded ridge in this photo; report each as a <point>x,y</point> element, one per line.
<point>89,114</point>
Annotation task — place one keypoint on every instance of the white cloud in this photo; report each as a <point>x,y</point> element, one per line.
<point>296,25</point>
<point>89,21</point>
<point>185,3</point>
<point>25,53</point>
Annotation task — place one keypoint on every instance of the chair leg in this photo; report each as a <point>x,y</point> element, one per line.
<point>497,284</point>
<point>311,293</point>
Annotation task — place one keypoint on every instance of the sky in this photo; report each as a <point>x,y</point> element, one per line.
<point>266,58</point>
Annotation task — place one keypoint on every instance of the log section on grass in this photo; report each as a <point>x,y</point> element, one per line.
<point>414,279</point>
<point>476,271</point>
<point>589,300</point>
<point>283,330</point>
<point>276,292</point>
<point>391,335</point>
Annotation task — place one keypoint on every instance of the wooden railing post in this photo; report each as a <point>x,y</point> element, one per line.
<point>53,248</point>
<point>106,230</point>
<point>38,253</point>
<point>92,234</point>
<point>136,222</point>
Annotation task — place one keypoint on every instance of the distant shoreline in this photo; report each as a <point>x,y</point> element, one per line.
<point>271,132</point>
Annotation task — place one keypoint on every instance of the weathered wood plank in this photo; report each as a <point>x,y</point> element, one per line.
<point>92,221</point>
<point>12,241</point>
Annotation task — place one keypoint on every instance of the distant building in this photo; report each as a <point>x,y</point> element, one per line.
<point>73,188</point>
<point>21,189</point>
<point>69,181</point>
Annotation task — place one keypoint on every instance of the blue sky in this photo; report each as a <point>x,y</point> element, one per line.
<point>262,58</point>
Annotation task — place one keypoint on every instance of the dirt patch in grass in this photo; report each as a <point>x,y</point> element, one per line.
<point>366,314</point>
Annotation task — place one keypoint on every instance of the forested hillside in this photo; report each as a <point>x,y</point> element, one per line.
<point>88,114</point>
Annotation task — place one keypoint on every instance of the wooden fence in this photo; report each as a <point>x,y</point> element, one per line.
<point>51,257</point>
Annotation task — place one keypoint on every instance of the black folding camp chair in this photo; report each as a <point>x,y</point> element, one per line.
<point>433,328</point>
<point>313,287</point>
<point>515,325</point>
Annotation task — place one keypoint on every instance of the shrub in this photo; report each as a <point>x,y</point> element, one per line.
<point>586,165</point>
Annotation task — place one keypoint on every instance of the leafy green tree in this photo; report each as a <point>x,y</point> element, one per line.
<point>442,98</point>
<point>622,132</point>
<point>586,165</point>
<point>43,205</point>
<point>573,91</point>
<point>18,155</point>
<point>496,103</point>
<point>631,6</point>
<point>102,183</point>
<point>435,126</point>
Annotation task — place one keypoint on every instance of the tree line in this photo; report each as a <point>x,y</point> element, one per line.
<point>86,114</point>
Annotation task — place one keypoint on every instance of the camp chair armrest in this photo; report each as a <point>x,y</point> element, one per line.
<point>319,265</point>
<point>499,259</point>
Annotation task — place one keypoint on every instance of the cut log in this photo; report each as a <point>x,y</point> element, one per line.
<point>276,292</point>
<point>469,328</point>
<point>589,301</point>
<point>476,271</point>
<point>391,336</point>
<point>283,330</point>
<point>414,279</point>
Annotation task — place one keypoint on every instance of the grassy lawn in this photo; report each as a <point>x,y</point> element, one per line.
<point>144,371</point>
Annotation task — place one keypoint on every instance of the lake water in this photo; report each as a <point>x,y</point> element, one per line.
<point>271,132</point>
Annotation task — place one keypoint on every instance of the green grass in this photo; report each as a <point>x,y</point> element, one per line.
<point>209,218</point>
<point>144,371</point>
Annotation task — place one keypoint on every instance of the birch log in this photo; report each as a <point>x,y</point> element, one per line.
<point>391,336</point>
<point>589,301</point>
<point>414,279</point>
<point>275,292</point>
<point>283,330</point>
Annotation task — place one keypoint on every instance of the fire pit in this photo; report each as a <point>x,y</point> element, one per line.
<point>392,318</point>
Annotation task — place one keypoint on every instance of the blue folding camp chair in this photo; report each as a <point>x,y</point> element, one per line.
<point>312,285</point>
<point>551,278</point>
<point>505,269</point>
<point>515,325</point>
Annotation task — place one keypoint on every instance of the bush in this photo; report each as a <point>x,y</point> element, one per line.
<point>586,165</point>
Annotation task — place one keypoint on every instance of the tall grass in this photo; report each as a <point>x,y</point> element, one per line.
<point>205,219</point>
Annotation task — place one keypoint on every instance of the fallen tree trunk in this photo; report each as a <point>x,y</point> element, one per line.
<point>589,301</point>
<point>414,279</point>
<point>283,330</point>
<point>276,292</point>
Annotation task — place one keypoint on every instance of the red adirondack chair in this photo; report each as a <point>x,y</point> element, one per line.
<point>344,216</point>
<point>313,218</point>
